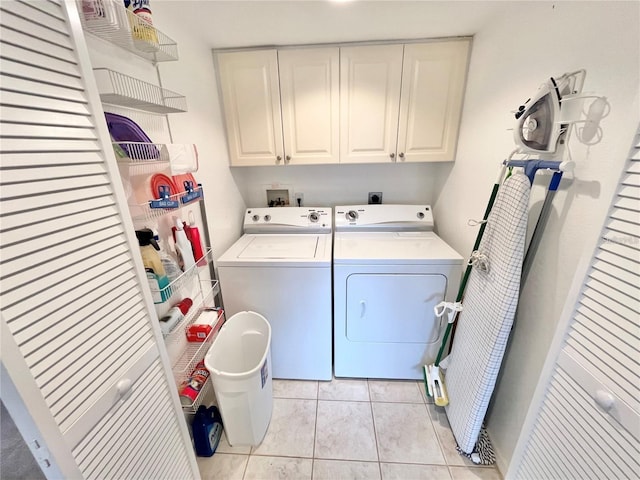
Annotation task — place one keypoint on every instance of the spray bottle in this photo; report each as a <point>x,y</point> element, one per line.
<point>183,247</point>
<point>156,274</point>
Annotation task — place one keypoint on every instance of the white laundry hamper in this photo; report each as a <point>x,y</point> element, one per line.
<point>239,362</point>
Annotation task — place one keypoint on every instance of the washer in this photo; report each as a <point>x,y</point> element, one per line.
<point>281,268</point>
<point>389,271</point>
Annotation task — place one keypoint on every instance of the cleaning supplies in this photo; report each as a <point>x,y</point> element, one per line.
<point>196,240</point>
<point>171,267</point>
<point>156,274</point>
<point>175,315</point>
<point>207,430</point>
<point>183,246</point>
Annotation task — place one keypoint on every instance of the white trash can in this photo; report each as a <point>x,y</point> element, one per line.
<point>239,361</point>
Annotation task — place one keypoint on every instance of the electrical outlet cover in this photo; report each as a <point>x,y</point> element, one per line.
<point>375,198</point>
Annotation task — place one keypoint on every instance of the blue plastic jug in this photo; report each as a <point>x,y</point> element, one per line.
<point>207,430</point>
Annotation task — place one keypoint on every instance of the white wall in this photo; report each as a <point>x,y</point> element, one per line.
<point>527,43</point>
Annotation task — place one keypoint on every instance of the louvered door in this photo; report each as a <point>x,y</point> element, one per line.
<point>78,340</point>
<point>587,424</point>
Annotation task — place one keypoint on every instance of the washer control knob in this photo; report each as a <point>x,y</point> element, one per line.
<point>314,217</point>
<point>352,215</point>
<point>420,215</point>
<point>267,218</point>
<point>255,218</point>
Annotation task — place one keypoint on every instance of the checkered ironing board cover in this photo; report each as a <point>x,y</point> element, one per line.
<point>490,303</point>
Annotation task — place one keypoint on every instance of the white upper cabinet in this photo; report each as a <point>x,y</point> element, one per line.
<point>351,104</point>
<point>309,82</point>
<point>369,100</point>
<point>251,98</point>
<point>433,80</point>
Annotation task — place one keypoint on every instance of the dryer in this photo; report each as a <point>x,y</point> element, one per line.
<point>281,268</point>
<point>389,271</point>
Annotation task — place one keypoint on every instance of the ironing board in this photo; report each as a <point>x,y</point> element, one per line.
<point>490,304</point>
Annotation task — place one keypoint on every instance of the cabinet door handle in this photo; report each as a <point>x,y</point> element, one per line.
<point>401,155</point>
<point>287,159</point>
<point>363,308</point>
<point>392,156</point>
<point>278,158</point>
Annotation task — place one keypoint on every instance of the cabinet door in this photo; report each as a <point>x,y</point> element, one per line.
<point>309,81</point>
<point>251,99</point>
<point>433,80</point>
<point>369,100</point>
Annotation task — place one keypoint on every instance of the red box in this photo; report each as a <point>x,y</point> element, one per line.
<point>198,332</point>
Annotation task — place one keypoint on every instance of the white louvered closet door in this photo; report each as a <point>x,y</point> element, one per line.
<point>78,342</point>
<point>588,422</point>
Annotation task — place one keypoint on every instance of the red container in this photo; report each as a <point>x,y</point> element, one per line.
<point>192,387</point>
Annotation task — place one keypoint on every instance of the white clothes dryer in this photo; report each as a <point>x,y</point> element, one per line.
<point>281,268</point>
<point>389,271</point>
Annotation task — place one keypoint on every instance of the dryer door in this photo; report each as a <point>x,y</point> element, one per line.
<point>394,308</point>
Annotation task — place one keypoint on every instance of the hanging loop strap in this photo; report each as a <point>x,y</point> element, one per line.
<point>451,308</point>
<point>474,223</point>
<point>479,260</point>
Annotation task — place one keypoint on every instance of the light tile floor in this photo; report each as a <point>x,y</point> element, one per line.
<point>349,429</point>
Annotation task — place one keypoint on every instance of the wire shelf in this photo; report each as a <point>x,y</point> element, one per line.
<point>193,354</point>
<point>145,212</point>
<point>204,301</point>
<point>181,157</point>
<point>119,89</point>
<point>184,279</point>
<point>111,21</point>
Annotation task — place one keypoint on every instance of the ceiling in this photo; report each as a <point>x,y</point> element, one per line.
<point>225,24</point>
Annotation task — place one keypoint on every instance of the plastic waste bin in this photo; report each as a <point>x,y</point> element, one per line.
<point>239,361</point>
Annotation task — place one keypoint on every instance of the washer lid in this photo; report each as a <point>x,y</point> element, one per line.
<point>280,246</point>
<point>393,248</point>
<point>279,250</point>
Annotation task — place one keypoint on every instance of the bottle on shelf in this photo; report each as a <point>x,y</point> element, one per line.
<point>175,315</point>
<point>170,265</point>
<point>196,240</point>
<point>156,274</point>
<point>183,246</point>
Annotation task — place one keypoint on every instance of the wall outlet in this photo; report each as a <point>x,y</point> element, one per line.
<point>299,199</point>
<point>375,198</point>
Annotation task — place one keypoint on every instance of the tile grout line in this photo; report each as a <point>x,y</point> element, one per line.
<point>315,429</point>
<point>375,431</point>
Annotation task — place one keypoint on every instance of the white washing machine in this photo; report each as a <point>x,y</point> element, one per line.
<point>281,268</point>
<point>389,271</point>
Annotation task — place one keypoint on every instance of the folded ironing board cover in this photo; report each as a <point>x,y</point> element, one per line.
<point>123,129</point>
<point>490,302</point>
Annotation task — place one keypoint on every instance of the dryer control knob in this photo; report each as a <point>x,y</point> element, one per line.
<point>352,215</point>
<point>267,218</point>
<point>314,217</point>
<point>255,218</point>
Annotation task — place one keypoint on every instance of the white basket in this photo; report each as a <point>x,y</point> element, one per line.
<point>239,362</point>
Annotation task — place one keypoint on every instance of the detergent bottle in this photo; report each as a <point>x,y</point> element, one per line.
<point>207,429</point>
